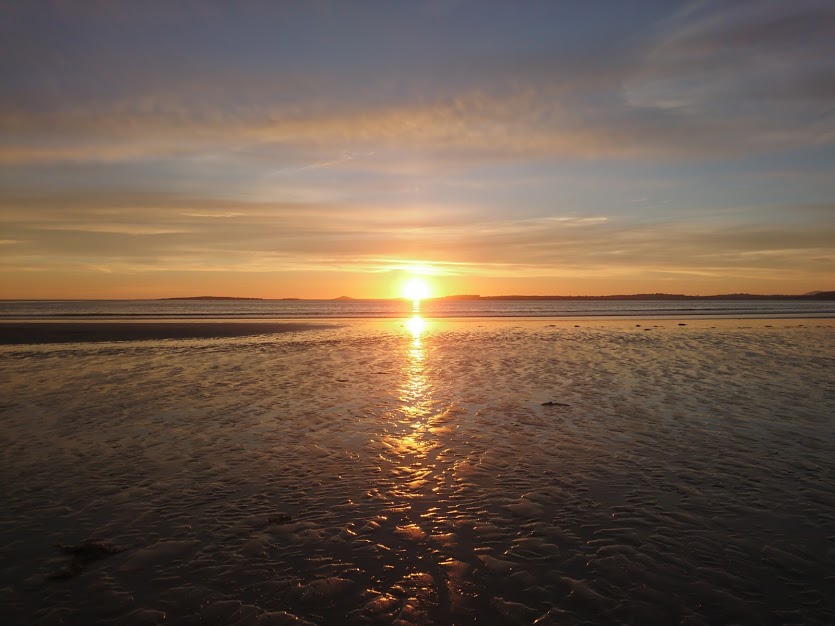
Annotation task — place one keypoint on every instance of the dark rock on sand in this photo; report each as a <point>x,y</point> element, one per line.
<point>552,403</point>
<point>83,555</point>
<point>279,518</point>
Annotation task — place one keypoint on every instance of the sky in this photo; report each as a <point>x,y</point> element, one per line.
<point>318,149</point>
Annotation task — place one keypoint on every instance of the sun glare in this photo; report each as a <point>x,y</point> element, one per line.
<point>416,289</point>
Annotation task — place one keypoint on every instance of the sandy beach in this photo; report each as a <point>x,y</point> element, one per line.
<point>420,472</point>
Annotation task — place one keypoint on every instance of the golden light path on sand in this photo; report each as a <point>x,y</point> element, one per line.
<point>415,392</point>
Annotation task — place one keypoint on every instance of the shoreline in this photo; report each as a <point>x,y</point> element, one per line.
<point>186,318</point>
<point>47,332</point>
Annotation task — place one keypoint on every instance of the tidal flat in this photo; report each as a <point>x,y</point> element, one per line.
<point>424,471</point>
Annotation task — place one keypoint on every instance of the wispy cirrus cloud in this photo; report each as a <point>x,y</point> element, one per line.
<point>260,237</point>
<point>771,61</point>
<point>710,80</point>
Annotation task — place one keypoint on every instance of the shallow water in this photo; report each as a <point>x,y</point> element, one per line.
<point>409,472</point>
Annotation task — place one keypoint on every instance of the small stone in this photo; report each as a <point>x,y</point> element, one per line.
<point>279,518</point>
<point>89,551</point>
<point>83,555</point>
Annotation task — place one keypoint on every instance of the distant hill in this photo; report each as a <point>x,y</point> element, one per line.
<point>211,298</point>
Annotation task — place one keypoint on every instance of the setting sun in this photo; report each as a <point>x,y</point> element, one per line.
<point>416,289</point>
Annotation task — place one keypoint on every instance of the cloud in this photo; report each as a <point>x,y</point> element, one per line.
<point>772,60</point>
<point>162,232</point>
<point>298,145</point>
<point>719,79</point>
<point>475,127</point>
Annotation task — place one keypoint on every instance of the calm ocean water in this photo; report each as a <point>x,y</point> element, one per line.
<point>323,309</point>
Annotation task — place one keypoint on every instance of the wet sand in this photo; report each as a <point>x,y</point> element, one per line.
<point>74,332</point>
<point>424,472</point>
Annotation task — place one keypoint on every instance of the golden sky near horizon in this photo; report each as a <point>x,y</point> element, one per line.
<point>315,150</point>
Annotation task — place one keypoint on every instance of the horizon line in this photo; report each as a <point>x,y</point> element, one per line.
<point>463,297</point>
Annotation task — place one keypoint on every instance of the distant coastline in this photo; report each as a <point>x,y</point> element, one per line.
<point>815,295</point>
<point>216,298</point>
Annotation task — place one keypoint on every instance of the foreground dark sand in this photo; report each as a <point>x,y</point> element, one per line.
<point>73,332</point>
<point>482,472</point>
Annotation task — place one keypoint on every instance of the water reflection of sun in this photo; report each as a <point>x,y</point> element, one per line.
<point>416,325</point>
<point>415,392</point>
<point>413,444</point>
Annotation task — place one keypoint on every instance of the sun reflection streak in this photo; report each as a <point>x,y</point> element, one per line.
<point>415,394</point>
<point>416,325</point>
<point>409,441</point>
<point>414,439</point>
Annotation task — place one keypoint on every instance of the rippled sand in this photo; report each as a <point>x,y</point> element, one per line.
<point>490,472</point>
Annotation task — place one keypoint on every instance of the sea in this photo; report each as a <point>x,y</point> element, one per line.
<point>204,310</point>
